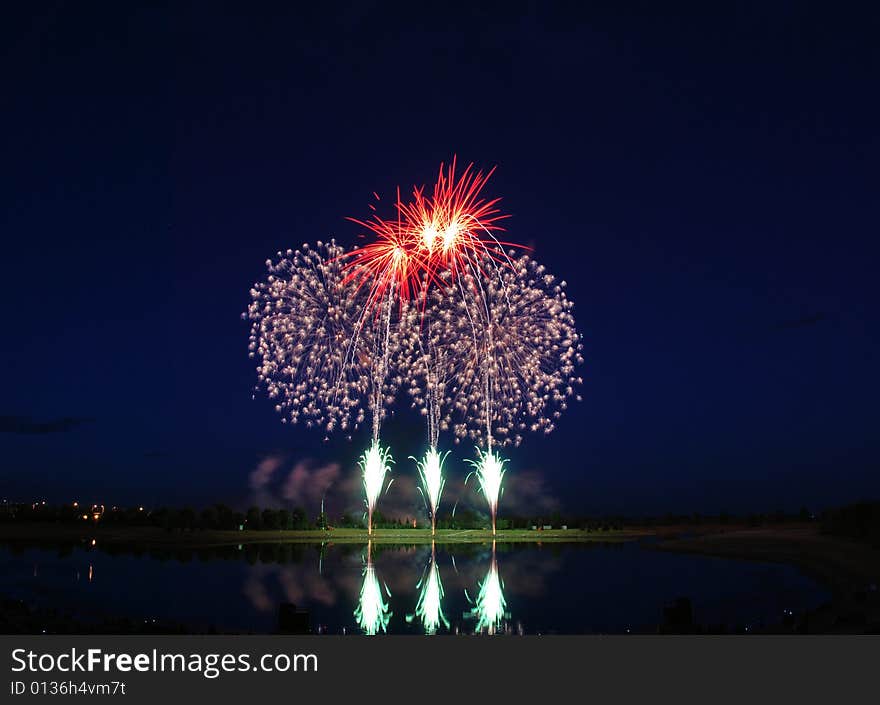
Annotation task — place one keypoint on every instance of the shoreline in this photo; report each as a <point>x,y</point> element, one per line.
<point>849,570</point>
<point>837,561</point>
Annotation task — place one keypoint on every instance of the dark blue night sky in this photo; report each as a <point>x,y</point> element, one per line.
<point>705,180</point>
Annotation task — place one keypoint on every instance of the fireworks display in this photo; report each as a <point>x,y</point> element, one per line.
<point>481,336</point>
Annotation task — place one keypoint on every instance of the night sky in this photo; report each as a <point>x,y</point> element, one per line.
<point>705,179</point>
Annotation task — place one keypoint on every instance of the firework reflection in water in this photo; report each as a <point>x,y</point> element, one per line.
<point>490,609</point>
<point>372,612</point>
<point>429,608</point>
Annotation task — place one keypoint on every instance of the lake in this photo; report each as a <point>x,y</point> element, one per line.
<point>576,588</point>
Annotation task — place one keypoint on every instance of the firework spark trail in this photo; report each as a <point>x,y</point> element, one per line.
<point>428,359</point>
<point>487,366</point>
<point>375,464</point>
<point>376,461</point>
<point>432,369</point>
<point>372,612</point>
<point>383,268</point>
<point>383,272</point>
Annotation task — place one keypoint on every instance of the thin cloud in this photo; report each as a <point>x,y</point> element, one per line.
<point>306,485</point>
<point>262,474</point>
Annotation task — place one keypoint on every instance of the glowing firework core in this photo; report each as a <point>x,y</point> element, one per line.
<point>429,235</point>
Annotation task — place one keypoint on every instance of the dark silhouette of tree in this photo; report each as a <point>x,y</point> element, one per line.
<point>254,519</point>
<point>298,519</point>
<point>859,522</point>
<point>225,517</point>
<point>270,519</point>
<point>187,518</point>
<point>209,519</point>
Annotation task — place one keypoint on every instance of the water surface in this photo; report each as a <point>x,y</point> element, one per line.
<point>517,588</point>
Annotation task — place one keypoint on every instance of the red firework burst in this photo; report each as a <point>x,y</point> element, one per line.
<point>455,225</point>
<point>451,230</point>
<point>388,266</point>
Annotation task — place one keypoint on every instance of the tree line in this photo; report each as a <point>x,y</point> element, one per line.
<point>859,521</point>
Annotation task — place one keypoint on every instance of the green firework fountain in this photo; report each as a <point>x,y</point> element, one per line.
<point>489,469</point>
<point>375,464</point>
<point>431,476</point>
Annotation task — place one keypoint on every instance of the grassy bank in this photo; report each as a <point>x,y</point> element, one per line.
<point>34,532</point>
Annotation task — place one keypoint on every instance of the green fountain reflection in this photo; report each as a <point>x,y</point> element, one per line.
<point>372,612</point>
<point>490,609</point>
<point>429,607</point>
